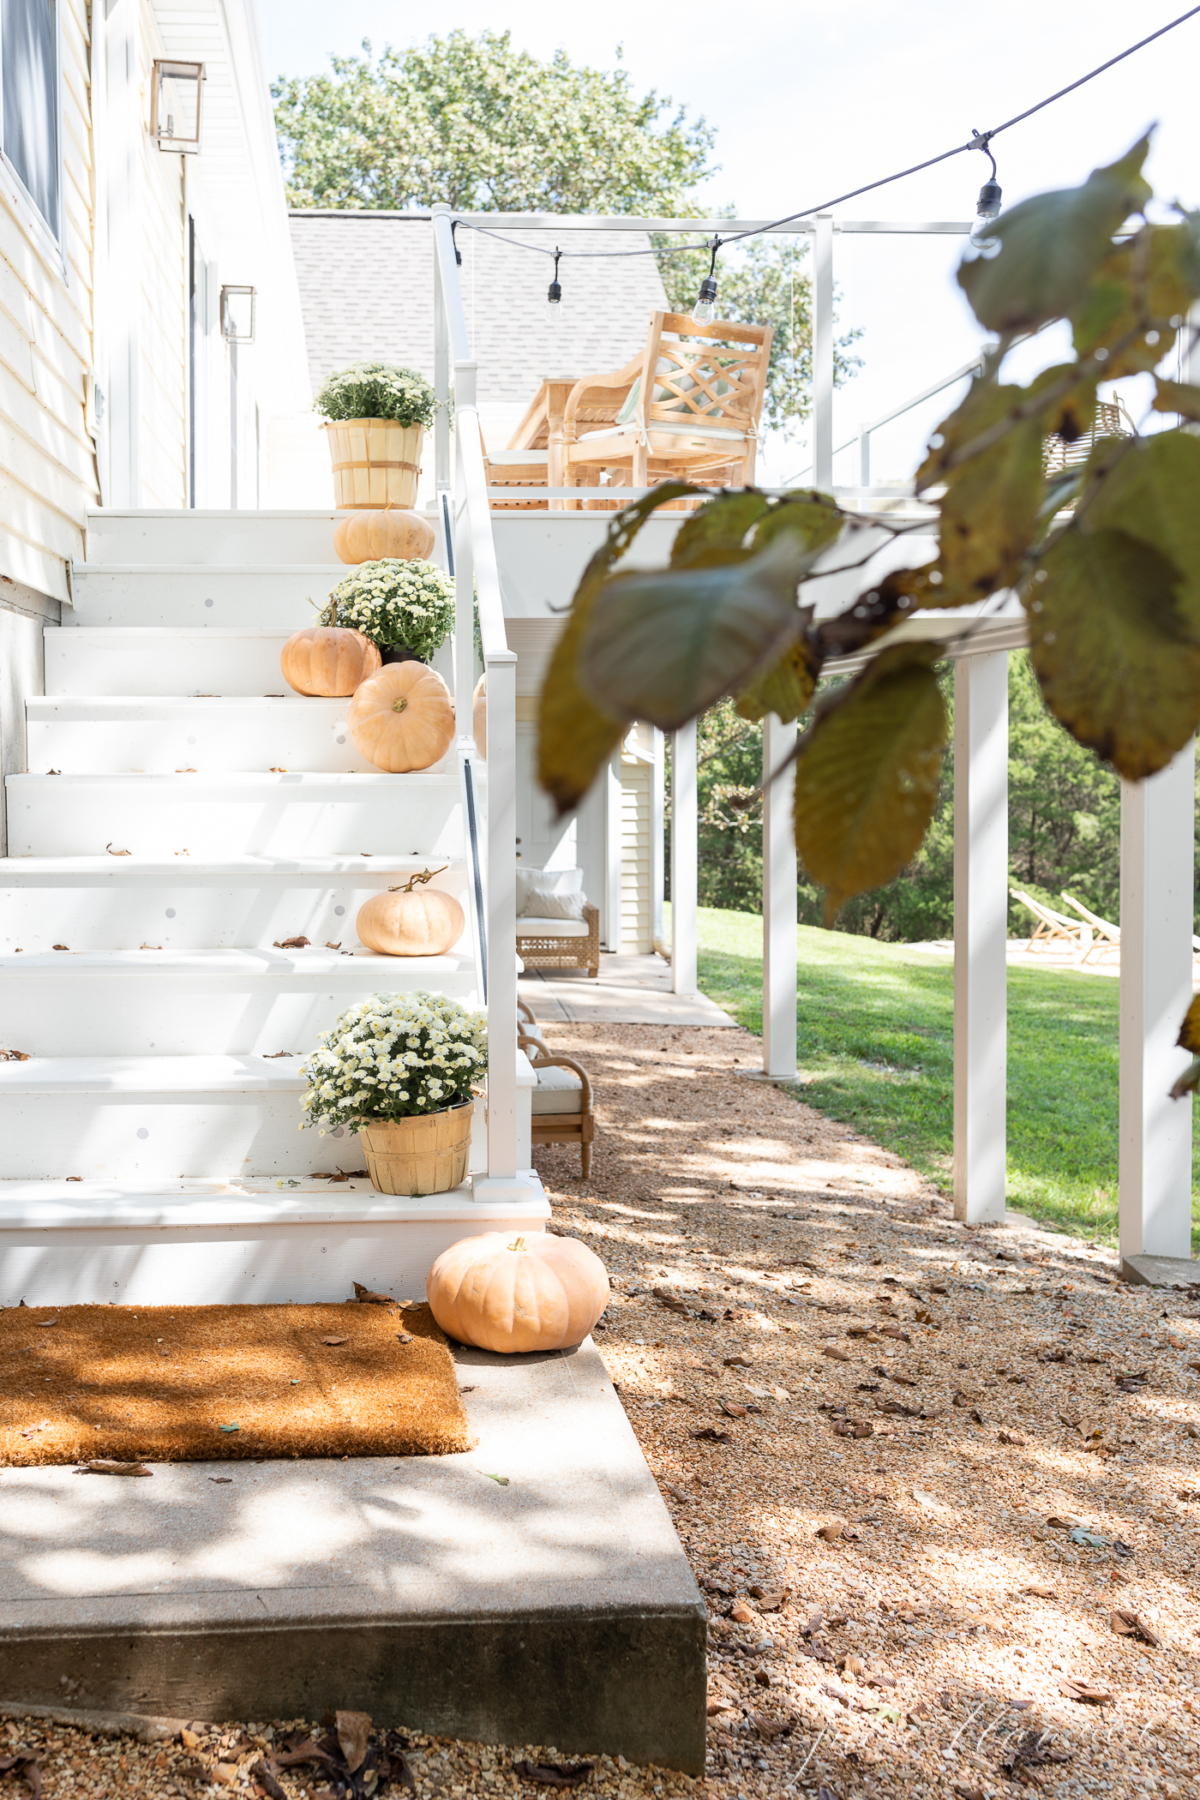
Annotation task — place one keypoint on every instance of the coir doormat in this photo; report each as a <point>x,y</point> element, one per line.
<point>202,1383</point>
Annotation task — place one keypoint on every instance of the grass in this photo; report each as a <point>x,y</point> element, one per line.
<point>875,1045</point>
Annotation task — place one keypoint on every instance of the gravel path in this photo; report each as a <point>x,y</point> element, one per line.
<point>940,1484</point>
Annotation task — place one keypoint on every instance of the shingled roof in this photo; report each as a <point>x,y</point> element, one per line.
<point>366,290</point>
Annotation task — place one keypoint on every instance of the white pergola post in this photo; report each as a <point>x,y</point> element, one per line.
<point>1157,871</point>
<point>778,904</point>
<point>684,827</point>
<point>658,825</point>
<point>822,375</point>
<point>980,933</point>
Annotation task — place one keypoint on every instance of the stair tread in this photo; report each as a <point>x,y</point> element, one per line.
<point>151,1074</point>
<point>169,706</point>
<point>36,870</point>
<point>244,778</point>
<point>246,1200</point>
<point>316,960</point>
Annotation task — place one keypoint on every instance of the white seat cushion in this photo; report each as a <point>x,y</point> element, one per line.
<point>558,881</point>
<point>557,1091</point>
<point>697,428</point>
<point>550,928</point>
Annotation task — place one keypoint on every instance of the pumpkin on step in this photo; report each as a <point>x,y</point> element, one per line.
<point>403,922</point>
<point>537,1292</point>
<point>328,660</point>
<point>402,718</point>
<point>368,536</point>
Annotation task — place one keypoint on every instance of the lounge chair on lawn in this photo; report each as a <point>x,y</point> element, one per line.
<point>1108,935</point>
<point>1055,927</point>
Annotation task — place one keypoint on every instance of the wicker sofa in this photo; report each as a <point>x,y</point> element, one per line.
<point>544,942</point>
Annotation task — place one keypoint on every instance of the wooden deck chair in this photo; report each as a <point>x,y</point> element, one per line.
<point>562,1100</point>
<point>689,407</point>
<point>1107,935</point>
<point>1054,927</point>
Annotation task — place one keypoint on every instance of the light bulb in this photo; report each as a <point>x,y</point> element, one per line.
<point>988,209</point>
<point>554,303</point>
<point>705,309</point>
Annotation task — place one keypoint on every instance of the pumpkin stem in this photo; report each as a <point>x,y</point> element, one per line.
<point>422,875</point>
<point>518,1244</point>
<point>399,705</point>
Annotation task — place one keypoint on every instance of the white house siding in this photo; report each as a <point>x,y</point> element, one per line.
<point>637,912</point>
<point>162,335</point>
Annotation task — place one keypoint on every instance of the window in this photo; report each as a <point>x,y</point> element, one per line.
<point>29,67</point>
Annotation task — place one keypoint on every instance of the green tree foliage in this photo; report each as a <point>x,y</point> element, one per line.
<point>476,124</point>
<point>765,281</point>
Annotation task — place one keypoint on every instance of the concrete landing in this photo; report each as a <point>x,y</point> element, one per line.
<point>629,990</point>
<point>1161,1271</point>
<point>557,1609</point>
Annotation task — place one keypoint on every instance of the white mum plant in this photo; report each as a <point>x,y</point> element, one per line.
<point>394,1055</point>
<point>395,602</point>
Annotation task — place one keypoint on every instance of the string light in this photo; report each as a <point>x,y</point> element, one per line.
<point>705,309</point>
<point>554,299</point>
<point>990,196</point>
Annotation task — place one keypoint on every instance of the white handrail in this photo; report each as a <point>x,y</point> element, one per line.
<point>477,584</point>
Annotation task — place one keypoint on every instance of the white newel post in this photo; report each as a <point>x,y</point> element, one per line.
<point>502,914</point>
<point>684,826</point>
<point>980,932</point>
<point>441,378</point>
<point>464,572</point>
<point>658,820</point>
<point>1157,858</point>
<point>779,903</point>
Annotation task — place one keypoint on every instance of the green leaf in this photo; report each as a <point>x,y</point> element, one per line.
<point>1176,397</point>
<point>1113,654</point>
<point>716,533</point>
<point>813,516</point>
<point>664,645</point>
<point>1139,289</point>
<point>868,772</point>
<point>1147,487</point>
<point>1188,1082</point>
<point>786,689</point>
<point>1051,247</point>
<point>575,736</point>
<point>1189,1031</point>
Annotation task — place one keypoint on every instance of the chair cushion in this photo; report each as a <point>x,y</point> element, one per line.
<point>697,428</point>
<point>534,927</point>
<point>557,1091</point>
<point>558,881</point>
<point>545,903</point>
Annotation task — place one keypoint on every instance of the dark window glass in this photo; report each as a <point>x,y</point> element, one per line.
<point>29,64</point>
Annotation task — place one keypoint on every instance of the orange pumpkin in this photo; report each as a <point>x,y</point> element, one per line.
<point>479,717</point>
<point>402,718</point>
<point>403,922</point>
<point>517,1294</point>
<point>328,660</point>
<point>367,536</point>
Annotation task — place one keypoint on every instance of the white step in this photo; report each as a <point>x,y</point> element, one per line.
<point>148,660</point>
<point>163,734</point>
<point>202,1002</point>
<point>187,903</point>
<point>209,1243</point>
<point>182,594</point>
<point>234,814</point>
<point>160,1118</point>
<point>211,537</point>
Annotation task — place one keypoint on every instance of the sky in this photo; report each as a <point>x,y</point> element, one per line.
<point>811,98</point>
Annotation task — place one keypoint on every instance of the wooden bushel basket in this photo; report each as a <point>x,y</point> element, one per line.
<point>375,462</point>
<point>426,1154</point>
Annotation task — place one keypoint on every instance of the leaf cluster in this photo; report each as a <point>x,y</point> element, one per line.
<point>1106,563</point>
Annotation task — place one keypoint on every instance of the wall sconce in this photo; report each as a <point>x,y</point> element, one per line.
<point>237,314</point>
<point>175,106</point>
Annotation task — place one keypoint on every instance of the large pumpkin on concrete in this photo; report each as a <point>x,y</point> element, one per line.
<point>329,660</point>
<point>413,920</point>
<point>402,718</point>
<point>367,536</point>
<point>537,1292</point>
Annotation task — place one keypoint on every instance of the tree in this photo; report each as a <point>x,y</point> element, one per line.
<point>475,124</point>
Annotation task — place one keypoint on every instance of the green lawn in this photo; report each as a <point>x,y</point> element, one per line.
<point>874,1039</point>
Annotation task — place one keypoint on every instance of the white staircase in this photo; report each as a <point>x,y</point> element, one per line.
<point>183,816</point>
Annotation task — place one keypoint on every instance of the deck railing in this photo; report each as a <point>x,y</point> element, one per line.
<point>463,503</point>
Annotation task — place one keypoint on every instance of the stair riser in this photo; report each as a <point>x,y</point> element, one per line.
<point>164,1137</point>
<point>154,664</point>
<point>106,1015</point>
<point>233,1265</point>
<point>211,538</point>
<point>188,917</point>
<point>217,596</point>
<point>281,736</point>
<point>53,816</point>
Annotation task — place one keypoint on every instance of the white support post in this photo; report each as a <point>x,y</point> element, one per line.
<point>980,932</point>
<point>822,303</point>
<point>658,821</point>
<point>864,456</point>
<point>464,581</point>
<point>119,305</point>
<point>1157,858</point>
<point>441,377</point>
<point>611,923</point>
<point>502,914</point>
<point>684,825</point>
<point>779,903</point>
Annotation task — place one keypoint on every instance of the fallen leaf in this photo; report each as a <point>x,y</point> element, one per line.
<point>101,1466</point>
<point>271,1787</point>
<point>833,1531</point>
<point>113,852</point>
<point>738,1362</point>
<point>500,1480</point>
<point>714,1705</point>
<point>770,1602</point>
<point>557,1775</point>
<point>43,1324</point>
<point>67,946</point>
<point>366,1297</point>
<point>894,1331</point>
<point>1130,1624</point>
<point>353,1733</point>
<point>25,1762</point>
<point>968,1793</point>
<point>274,1055</point>
<point>229,1428</point>
<point>1085,1693</point>
<point>880,1679</point>
<point>712,1435</point>
<point>1042,1592</point>
<point>834,1352</point>
<point>16,1056</point>
<point>1012,1437</point>
<point>741,1613</point>
<point>732,1409</point>
<point>221,1479</point>
<point>292,943</point>
<point>1095,1540</point>
<point>330,945</point>
<point>335,1340</point>
<point>769,1727</point>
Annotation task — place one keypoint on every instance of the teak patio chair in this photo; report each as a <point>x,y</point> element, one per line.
<point>688,408</point>
<point>562,1100</point>
<point>1055,927</point>
<point>1108,935</point>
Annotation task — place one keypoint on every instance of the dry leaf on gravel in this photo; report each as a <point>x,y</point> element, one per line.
<point>335,1340</point>
<point>353,1734</point>
<point>1040,1590</point>
<point>834,1352</point>
<point>102,1466</point>
<point>739,1362</point>
<point>771,1728</point>
<point>1130,1624</point>
<point>260,1773</point>
<point>1083,1691</point>
<point>732,1409</point>
<point>768,1602</point>
<point>25,1764</point>
<point>711,1435</point>
<point>365,1297</point>
<point>556,1775</point>
<point>836,1531</point>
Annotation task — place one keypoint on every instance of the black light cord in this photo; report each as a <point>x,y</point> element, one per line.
<point>980,141</point>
